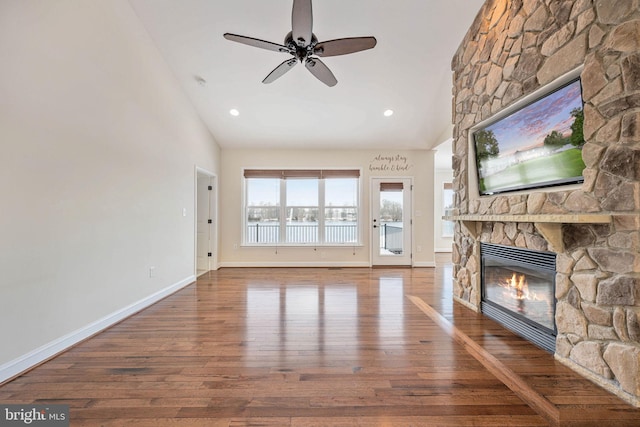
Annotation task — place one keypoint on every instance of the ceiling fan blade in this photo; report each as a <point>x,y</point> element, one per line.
<point>344,46</point>
<point>302,22</point>
<point>262,44</point>
<point>280,70</point>
<point>321,71</point>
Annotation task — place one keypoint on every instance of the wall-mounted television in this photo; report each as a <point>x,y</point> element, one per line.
<point>535,144</point>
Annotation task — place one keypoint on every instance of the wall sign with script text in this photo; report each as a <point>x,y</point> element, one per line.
<point>389,163</point>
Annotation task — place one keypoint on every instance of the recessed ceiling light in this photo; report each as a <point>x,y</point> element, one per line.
<point>234,112</point>
<point>388,113</point>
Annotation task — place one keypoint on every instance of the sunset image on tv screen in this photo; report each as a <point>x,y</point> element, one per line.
<point>539,145</point>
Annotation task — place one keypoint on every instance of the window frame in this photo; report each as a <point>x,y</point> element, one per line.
<point>283,175</point>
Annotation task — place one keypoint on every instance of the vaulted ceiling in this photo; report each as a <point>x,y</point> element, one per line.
<point>408,71</point>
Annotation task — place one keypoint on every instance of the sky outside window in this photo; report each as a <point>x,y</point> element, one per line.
<point>302,192</point>
<point>341,192</point>
<point>263,192</point>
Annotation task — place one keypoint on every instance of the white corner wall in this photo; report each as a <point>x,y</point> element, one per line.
<point>98,153</point>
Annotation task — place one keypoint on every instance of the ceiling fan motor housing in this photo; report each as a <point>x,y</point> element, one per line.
<point>301,52</point>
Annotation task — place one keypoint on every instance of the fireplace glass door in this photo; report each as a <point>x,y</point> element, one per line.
<point>520,285</point>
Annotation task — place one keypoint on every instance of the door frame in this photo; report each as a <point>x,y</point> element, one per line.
<point>212,197</point>
<point>408,245</point>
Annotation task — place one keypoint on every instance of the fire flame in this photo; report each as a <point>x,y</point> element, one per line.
<point>519,289</point>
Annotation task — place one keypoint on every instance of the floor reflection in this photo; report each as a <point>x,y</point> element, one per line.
<point>287,321</point>
<point>333,319</point>
<point>341,318</point>
<point>391,307</point>
<point>301,320</point>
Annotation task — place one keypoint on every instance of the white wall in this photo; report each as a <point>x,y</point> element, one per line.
<point>98,150</point>
<point>420,168</point>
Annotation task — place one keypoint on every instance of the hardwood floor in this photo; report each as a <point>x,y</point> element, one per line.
<point>315,347</point>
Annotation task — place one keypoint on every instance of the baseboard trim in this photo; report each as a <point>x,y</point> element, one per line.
<point>294,264</point>
<point>426,264</point>
<point>35,357</point>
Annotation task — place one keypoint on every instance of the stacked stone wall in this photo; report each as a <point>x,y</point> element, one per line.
<point>513,48</point>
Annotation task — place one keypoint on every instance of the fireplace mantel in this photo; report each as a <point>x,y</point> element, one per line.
<point>542,218</point>
<point>549,225</point>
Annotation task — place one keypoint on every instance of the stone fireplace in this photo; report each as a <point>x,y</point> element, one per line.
<point>593,229</point>
<point>518,291</point>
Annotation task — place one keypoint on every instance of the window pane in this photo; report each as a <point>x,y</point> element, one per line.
<point>391,206</point>
<point>263,225</point>
<point>341,210</point>
<point>447,209</point>
<point>302,225</point>
<point>302,192</point>
<point>341,192</point>
<point>302,210</point>
<point>341,225</point>
<point>339,214</point>
<point>263,192</point>
<point>263,212</point>
<point>391,223</point>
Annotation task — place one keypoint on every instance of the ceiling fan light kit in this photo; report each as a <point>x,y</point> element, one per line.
<point>302,44</point>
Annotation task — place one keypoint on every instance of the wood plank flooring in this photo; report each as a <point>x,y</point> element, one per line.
<point>315,347</point>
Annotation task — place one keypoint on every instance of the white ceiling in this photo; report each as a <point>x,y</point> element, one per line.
<point>408,71</point>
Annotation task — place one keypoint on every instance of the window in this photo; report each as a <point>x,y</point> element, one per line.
<point>300,207</point>
<point>263,210</point>
<point>302,210</point>
<point>341,210</point>
<point>447,209</point>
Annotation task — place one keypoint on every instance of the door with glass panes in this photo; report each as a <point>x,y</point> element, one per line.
<point>391,221</point>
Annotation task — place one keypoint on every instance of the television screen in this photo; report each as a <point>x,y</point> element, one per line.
<point>538,145</point>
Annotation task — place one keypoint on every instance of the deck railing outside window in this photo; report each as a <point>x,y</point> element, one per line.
<point>263,233</point>
<point>301,233</point>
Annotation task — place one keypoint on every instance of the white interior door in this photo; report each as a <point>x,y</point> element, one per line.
<point>204,222</point>
<point>391,221</point>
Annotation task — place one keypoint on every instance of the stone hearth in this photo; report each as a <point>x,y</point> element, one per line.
<point>513,48</point>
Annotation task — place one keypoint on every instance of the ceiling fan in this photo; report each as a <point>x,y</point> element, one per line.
<point>302,44</point>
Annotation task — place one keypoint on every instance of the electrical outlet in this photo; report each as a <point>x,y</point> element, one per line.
<point>235,246</point>
<point>419,248</point>
<point>152,272</point>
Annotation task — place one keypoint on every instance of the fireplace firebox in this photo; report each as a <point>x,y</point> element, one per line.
<point>518,291</point>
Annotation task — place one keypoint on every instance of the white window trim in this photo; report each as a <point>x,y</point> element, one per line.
<point>321,205</point>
